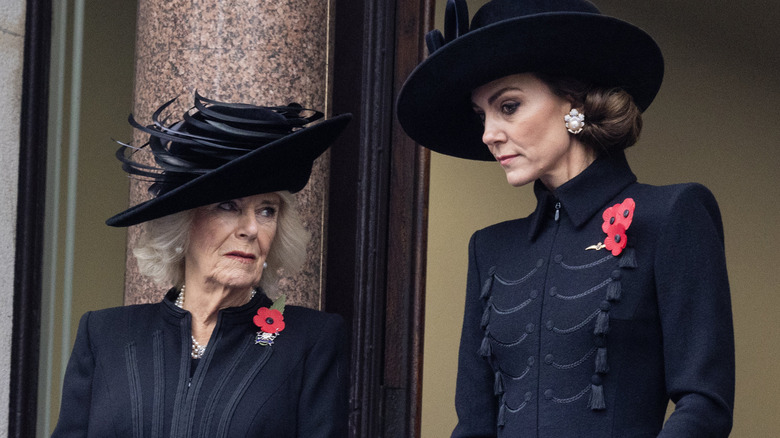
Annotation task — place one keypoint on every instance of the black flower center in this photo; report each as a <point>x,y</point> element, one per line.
<point>269,320</point>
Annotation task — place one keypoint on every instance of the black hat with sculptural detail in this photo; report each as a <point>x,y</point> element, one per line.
<point>220,151</point>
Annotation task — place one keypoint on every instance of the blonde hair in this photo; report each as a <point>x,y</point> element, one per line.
<point>163,243</point>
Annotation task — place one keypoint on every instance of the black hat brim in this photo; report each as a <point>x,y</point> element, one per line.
<point>284,164</point>
<point>434,105</point>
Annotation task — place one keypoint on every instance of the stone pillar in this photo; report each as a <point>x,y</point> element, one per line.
<point>261,52</point>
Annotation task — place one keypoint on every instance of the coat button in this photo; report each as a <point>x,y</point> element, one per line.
<point>529,328</point>
<point>548,394</point>
<point>549,325</point>
<point>528,396</point>
<point>534,293</point>
<point>540,263</point>
<point>558,258</point>
<point>553,291</point>
<point>548,359</point>
<point>531,361</point>
<point>616,274</point>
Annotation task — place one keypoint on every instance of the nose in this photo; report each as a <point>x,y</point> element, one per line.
<point>492,134</point>
<point>247,226</point>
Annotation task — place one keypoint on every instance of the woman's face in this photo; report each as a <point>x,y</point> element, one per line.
<point>229,241</point>
<point>525,131</point>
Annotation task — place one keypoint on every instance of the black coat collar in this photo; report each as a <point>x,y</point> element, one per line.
<point>585,194</point>
<point>231,316</point>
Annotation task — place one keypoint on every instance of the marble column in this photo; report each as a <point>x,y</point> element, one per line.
<point>261,52</point>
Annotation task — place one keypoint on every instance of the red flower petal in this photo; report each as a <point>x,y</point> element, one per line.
<point>269,320</point>
<point>625,212</point>
<point>257,320</point>
<point>616,238</point>
<point>609,218</point>
<point>619,213</point>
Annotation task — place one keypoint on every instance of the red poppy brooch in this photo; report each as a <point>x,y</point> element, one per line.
<point>617,219</point>
<point>270,321</point>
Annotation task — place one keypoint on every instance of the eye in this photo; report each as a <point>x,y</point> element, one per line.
<point>509,108</point>
<point>227,206</point>
<point>267,212</point>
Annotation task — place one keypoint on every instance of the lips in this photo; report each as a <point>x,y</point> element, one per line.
<point>505,159</point>
<point>244,256</point>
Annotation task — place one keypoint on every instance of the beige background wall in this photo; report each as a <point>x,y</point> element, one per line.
<point>713,122</point>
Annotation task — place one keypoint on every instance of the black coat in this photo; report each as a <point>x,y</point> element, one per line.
<point>560,341</point>
<point>131,375</point>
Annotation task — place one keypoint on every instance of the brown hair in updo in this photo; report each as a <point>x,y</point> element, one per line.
<point>612,120</point>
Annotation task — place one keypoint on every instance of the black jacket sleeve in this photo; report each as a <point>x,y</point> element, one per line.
<point>323,403</point>
<point>695,307</point>
<point>77,389</point>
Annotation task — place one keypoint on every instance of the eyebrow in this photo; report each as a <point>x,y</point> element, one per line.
<point>496,95</point>
<point>264,202</point>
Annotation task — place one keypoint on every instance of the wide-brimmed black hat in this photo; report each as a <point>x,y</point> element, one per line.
<point>221,151</point>
<point>558,37</point>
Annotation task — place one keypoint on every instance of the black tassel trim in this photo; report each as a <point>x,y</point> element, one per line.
<point>614,290</point>
<point>602,323</point>
<point>486,349</point>
<point>596,401</point>
<point>628,258</point>
<point>614,293</point>
<point>602,367</point>
<point>485,317</point>
<point>502,415</point>
<point>498,385</point>
<point>485,293</point>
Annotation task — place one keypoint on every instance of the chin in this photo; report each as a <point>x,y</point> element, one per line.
<point>517,182</point>
<point>241,281</point>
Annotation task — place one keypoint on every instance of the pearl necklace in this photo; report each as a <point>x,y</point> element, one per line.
<point>198,350</point>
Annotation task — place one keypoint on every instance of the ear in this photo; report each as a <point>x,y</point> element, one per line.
<point>570,104</point>
<point>573,103</point>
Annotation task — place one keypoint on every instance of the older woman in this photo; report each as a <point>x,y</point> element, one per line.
<point>585,318</point>
<point>217,357</point>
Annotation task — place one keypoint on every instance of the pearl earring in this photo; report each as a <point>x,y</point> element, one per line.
<point>178,250</point>
<point>265,265</point>
<point>575,120</point>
